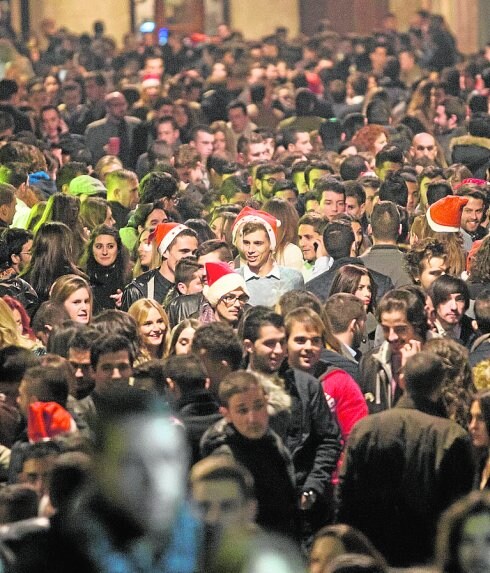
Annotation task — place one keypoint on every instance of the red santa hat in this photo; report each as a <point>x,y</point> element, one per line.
<point>48,419</point>
<point>249,215</point>
<point>470,181</point>
<point>151,81</point>
<point>221,280</point>
<point>164,234</point>
<point>444,216</point>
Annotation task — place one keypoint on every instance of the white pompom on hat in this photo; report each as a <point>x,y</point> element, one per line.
<point>444,216</point>
<point>164,234</point>
<point>249,215</point>
<point>221,280</point>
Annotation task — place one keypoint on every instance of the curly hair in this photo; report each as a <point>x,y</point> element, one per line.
<point>365,138</point>
<point>424,250</point>
<point>480,263</point>
<point>458,387</point>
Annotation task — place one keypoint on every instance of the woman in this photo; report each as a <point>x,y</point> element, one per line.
<point>183,116</point>
<point>148,257</point>
<point>181,337</point>
<point>463,537</point>
<point>65,209</point>
<point>223,145</point>
<point>9,329</point>
<point>287,253</point>
<point>307,335</point>
<point>371,138</point>
<point>52,257</point>
<point>106,262</point>
<point>73,294</point>
<point>95,211</point>
<point>153,328</point>
<point>221,225</point>
<point>21,317</point>
<point>479,278</point>
<point>480,436</point>
<point>335,540</point>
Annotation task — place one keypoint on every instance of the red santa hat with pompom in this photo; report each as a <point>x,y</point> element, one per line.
<point>46,420</point>
<point>164,234</point>
<point>444,216</point>
<point>221,280</point>
<point>249,215</point>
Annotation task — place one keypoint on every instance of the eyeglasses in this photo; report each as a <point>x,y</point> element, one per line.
<point>175,200</point>
<point>230,299</point>
<point>423,147</point>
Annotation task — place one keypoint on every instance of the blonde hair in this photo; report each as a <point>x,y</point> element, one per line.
<point>9,332</point>
<point>139,310</point>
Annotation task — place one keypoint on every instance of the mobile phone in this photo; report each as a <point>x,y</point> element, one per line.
<point>163,36</point>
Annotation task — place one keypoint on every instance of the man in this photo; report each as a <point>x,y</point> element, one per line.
<point>451,299</point>
<point>202,138</point>
<point>9,102</point>
<point>297,140</point>
<point>174,242</point>
<point>186,385</point>
<point>474,212</point>
<point>7,205</point>
<point>238,121</point>
<point>111,361</point>
<point>15,254</point>
<point>338,238</point>
<point>266,281</point>
<point>389,159</point>
<point>310,241</point>
<point>79,358</point>
<point>134,513</point>
<point>403,467</point>
<point>219,350</point>
<point>426,261</point>
<point>331,196</point>
<point>244,433</point>
<point>424,146</point>
<point>287,191</point>
<point>251,149</point>
<point>168,131</point>
<point>401,314</point>
<point>312,170</point>
<point>223,491</point>
<point>449,123</point>
<point>316,447</point>
<point>355,200</point>
<point>115,125</point>
<point>347,319</point>
<point>122,194</point>
<point>384,256</point>
<point>55,130</point>
<point>472,149</point>
<point>266,176</point>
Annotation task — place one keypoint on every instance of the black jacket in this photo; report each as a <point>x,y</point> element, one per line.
<point>321,284</point>
<point>184,306</point>
<point>474,152</point>
<point>198,411</point>
<point>138,288</point>
<point>313,436</point>
<point>402,468</point>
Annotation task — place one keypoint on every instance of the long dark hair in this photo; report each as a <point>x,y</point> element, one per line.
<point>52,257</point>
<point>121,264</point>
<point>347,279</point>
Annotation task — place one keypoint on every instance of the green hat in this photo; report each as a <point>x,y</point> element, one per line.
<point>86,185</point>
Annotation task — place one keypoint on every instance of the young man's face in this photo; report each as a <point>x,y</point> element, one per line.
<point>309,242</point>
<point>248,413</point>
<point>397,330</point>
<point>332,204</point>
<point>221,503</point>
<point>256,247</point>
<point>268,181</point>
<point>36,473</point>
<point>204,144</point>
<point>450,312</point>
<point>80,362</point>
<point>167,133</point>
<point>353,208</point>
<point>128,193</point>
<point>142,471</point>
<point>432,269</point>
<point>181,248</point>
<point>304,346</point>
<point>269,350</point>
<point>472,215</point>
<point>230,306</point>
<point>113,370</point>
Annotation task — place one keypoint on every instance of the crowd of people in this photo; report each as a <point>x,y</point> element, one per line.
<point>245,302</point>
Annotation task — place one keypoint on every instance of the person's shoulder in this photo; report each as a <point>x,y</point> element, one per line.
<point>96,125</point>
<point>143,278</point>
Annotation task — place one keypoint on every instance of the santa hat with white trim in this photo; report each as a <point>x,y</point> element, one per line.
<point>221,281</point>
<point>444,216</point>
<point>164,234</point>
<point>249,215</point>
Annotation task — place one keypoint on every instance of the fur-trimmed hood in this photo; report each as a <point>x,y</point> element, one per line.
<point>470,140</point>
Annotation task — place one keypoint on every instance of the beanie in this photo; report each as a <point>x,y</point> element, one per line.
<point>86,185</point>
<point>221,280</point>
<point>444,216</point>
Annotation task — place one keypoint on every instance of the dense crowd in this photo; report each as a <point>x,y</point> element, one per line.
<point>245,303</point>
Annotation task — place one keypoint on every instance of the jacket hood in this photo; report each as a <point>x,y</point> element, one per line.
<point>470,140</point>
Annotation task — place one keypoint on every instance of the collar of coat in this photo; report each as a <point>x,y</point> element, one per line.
<point>470,140</point>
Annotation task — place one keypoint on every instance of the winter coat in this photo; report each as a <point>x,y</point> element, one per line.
<point>474,152</point>
<point>402,468</point>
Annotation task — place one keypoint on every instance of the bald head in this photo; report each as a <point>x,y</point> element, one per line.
<point>424,145</point>
<point>116,105</point>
